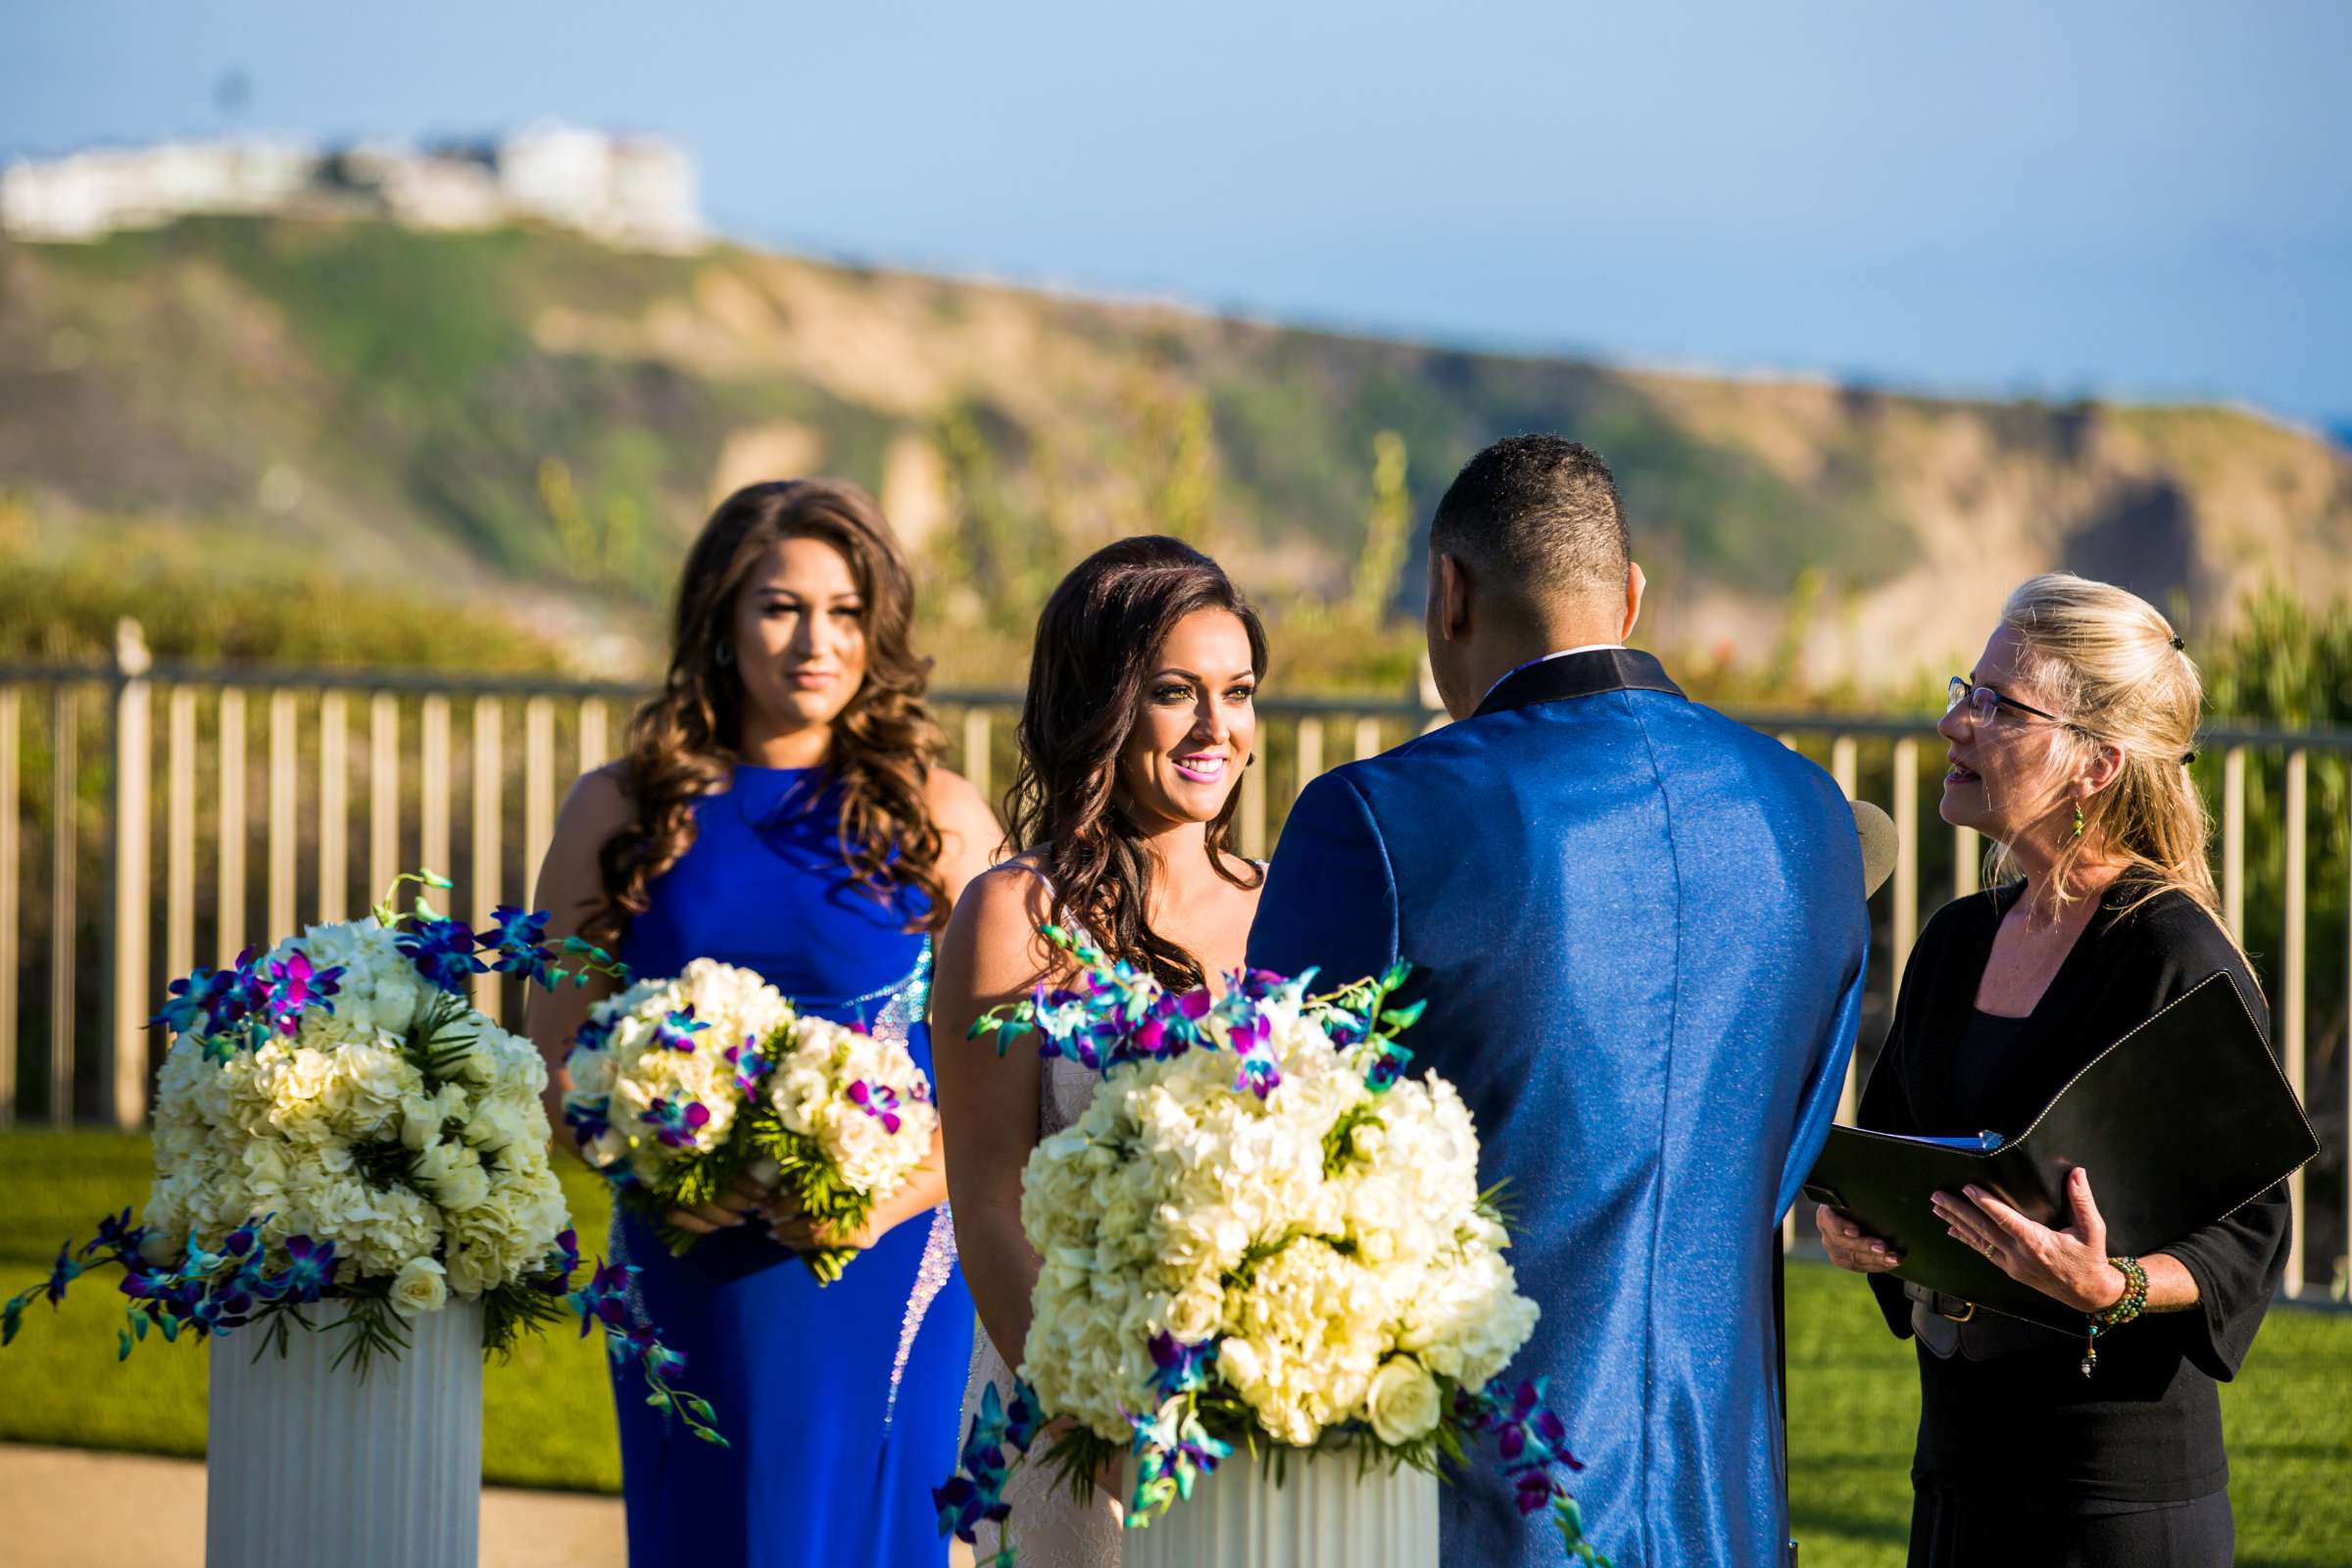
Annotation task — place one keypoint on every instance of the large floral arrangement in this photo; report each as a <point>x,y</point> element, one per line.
<point>334,1122</point>
<point>1261,1229</point>
<point>679,1086</point>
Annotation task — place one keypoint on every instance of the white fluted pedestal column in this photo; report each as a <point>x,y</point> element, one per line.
<point>1323,1515</point>
<point>306,1464</point>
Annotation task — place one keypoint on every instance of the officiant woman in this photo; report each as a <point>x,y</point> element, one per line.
<point>2069,746</point>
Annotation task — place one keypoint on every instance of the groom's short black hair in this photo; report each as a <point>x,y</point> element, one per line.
<point>1538,510</point>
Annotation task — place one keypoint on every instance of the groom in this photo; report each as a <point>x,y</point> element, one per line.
<point>1638,930</point>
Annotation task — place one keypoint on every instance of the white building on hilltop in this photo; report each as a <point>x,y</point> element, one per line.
<point>635,192</point>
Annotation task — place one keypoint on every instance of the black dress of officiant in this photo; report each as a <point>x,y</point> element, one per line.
<point>2022,1458</point>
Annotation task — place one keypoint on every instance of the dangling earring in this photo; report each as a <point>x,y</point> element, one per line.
<point>723,655</point>
<point>2077,819</point>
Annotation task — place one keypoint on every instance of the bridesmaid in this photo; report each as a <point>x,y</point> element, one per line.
<point>778,809</point>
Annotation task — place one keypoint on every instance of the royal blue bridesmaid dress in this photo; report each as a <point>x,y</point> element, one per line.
<point>841,1403</point>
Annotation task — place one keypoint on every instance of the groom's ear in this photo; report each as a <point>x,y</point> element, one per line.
<point>1450,598</point>
<point>1636,585</point>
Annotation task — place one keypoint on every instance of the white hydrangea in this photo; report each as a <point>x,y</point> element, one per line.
<point>284,1131</point>
<point>813,1093</point>
<point>634,1068</point>
<point>1179,1203</point>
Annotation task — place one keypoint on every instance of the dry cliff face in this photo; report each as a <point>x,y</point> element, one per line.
<point>2194,508</point>
<point>528,411</point>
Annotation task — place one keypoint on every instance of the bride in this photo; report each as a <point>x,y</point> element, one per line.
<point>1138,724</point>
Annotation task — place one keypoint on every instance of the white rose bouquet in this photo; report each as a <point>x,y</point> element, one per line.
<point>335,1122</point>
<point>679,1086</point>
<point>1260,1231</point>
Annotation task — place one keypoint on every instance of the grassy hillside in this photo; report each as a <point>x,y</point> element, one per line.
<point>528,418</point>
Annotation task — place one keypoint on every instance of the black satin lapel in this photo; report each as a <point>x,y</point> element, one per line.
<point>1585,675</point>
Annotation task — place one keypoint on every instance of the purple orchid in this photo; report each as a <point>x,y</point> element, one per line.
<point>310,1269</point>
<point>1260,1075</point>
<point>676,1030</point>
<point>1181,1368</point>
<point>674,1124</point>
<point>519,938</point>
<point>592,1035</point>
<point>878,1100</point>
<point>561,1264</point>
<point>295,987</point>
<point>150,1284</point>
<point>241,1240</point>
<point>443,952</point>
<point>605,1298</point>
<point>750,1066</point>
<point>119,1236</point>
<point>64,1272</point>
<point>589,1119</point>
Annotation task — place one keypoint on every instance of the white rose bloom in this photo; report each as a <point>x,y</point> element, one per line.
<point>1403,1403</point>
<point>420,1286</point>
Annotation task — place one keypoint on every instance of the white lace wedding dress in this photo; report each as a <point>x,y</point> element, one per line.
<point>1051,1530</point>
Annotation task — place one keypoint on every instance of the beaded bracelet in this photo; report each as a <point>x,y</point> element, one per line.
<point>2135,1301</point>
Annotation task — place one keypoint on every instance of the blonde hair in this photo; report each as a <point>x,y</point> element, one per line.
<point>2109,662</point>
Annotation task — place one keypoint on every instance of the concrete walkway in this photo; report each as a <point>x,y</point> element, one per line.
<point>80,1508</point>
<point>73,1508</point>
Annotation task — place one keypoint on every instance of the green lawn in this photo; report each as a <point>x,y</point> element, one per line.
<point>550,1420</point>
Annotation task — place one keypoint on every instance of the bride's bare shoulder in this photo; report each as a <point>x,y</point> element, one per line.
<point>993,934</point>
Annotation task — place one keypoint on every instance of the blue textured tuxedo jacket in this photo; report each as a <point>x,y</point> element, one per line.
<point>1640,931</point>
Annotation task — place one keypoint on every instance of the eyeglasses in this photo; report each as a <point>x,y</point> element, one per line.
<point>1985,703</point>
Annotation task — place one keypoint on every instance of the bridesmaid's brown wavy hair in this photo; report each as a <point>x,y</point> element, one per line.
<point>1095,645</point>
<point>682,742</point>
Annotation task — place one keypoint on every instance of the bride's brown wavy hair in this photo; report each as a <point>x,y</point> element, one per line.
<point>682,742</point>
<point>1095,645</point>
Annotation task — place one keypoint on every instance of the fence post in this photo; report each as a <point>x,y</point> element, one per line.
<point>65,903</point>
<point>9,703</point>
<point>283,746</point>
<point>228,920</point>
<point>383,792</point>
<point>975,748</point>
<point>179,832</point>
<point>1906,855</point>
<point>126,933</point>
<point>2292,982</point>
<point>538,789</point>
<point>489,798</point>
<point>2234,842</point>
<point>334,807</point>
<point>432,788</point>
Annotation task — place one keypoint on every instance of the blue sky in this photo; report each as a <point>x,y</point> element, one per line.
<point>2149,200</point>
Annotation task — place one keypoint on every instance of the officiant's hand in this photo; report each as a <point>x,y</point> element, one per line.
<point>2069,1265</point>
<point>743,1200</point>
<point>1850,1246</point>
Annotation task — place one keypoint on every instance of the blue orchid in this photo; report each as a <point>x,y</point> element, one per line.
<point>675,1123</point>
<point>443,952</point>
<point>294,988</point>
<point>675,1031</point>
<point>605,1298</point>
<point>749,1066</point>
<point>64,1272</point>
<point>589,1119</point>
<point>310,1269</point>
<point>1180,1368</point>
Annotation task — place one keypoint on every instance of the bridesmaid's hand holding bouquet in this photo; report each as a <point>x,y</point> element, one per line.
<point>711,1090</point>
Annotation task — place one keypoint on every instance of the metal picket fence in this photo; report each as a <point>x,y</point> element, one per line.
<point>134,797</point>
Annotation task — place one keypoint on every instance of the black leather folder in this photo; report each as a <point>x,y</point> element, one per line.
<point>2179,1122</point>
